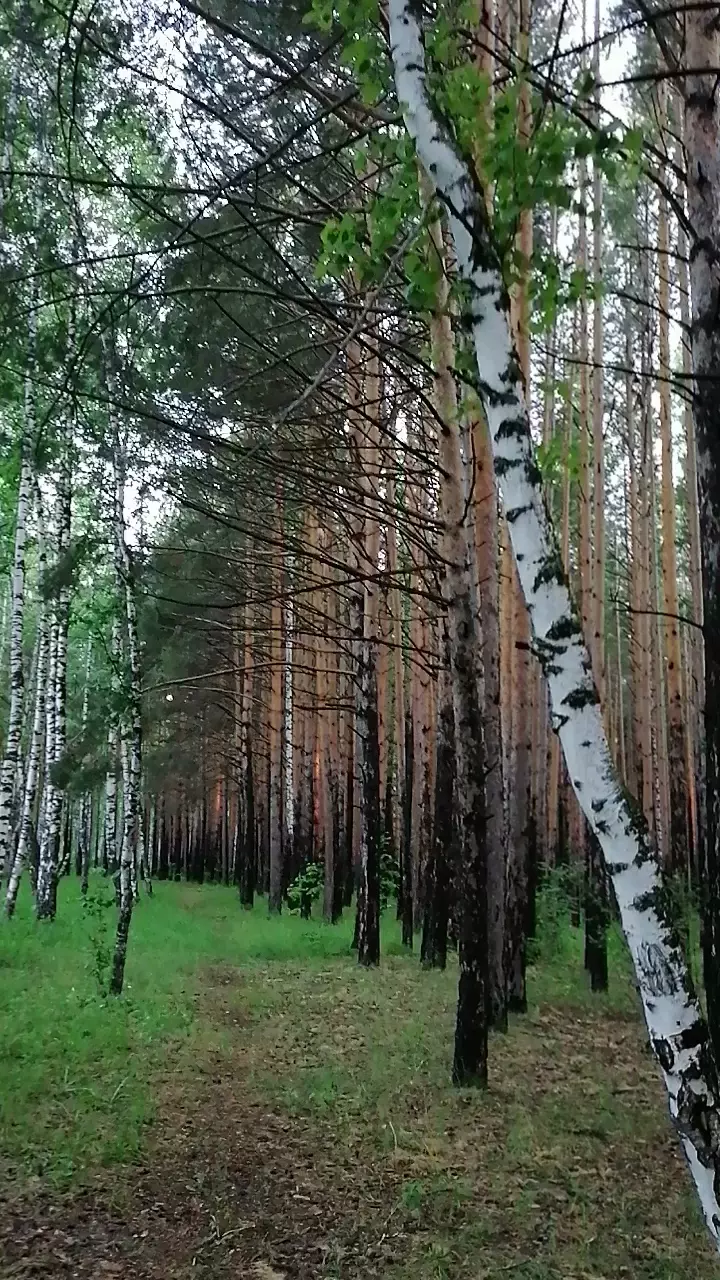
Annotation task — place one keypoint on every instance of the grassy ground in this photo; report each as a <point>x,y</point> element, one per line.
<point>258,1106</point>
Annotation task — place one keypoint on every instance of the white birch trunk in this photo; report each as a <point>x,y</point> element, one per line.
<point>49,817</point>
<point>57,691</point>
<point>132,719</point>
<point>678,1032</point>
<point>47,883</point>
<point>32,777</point>
<point>85,815</point>
<point>11,113</point>
<point>17,613</point>
<point>111,797</point>
<point>55,742</point>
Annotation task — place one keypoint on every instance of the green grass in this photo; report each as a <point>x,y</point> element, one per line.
<point>76,1068</point>
<point>234,1023</point>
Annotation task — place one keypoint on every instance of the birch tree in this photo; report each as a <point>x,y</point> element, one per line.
<point>677,1029</point>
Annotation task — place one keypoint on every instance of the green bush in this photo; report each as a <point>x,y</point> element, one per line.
<point>306,889</point>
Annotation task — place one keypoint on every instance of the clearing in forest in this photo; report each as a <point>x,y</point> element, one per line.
<point>259,1106</point>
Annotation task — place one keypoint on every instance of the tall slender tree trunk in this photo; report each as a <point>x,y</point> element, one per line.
<point>26,835</point>
<point>696,700</point>
<point>131,719</point>
<point>84,830</point>
<point>8,770</point>
<point>288,834</point>
<point>677,1028</point>
<point>465,650</point>
<point>596,903</point>
<point>12,103</point>
<point>46,893</point>
<point>702,145</point>
<point>369,892</point>
<point>398,667</point>
<point>487,546</point>
<point>679,841</point>
<point>275,730</point>
<point>110,853</point>
<point>438,873</point>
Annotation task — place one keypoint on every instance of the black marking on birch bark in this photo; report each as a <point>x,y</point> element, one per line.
<point>496,399</point>
<point>616,868</point>
<point>694,1035</point>
<point>586,743</point>
<point>511,429</point>
<point>546,654</point>
<point>582,696</point>
<point>664,1053</point>
<point>598,806</point>
<point>659,977</point>
<point>564,628</point>
<point>514,513</point>
<point>603,827</point>
<point>533,473</point>
<point>551,570</point>
<point>637,826</point>
<point>642,856</point>
<point>503,465</point>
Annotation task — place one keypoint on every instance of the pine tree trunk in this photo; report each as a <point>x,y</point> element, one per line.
<point>598,402</point>
<point>696,675</point>
<point>398,671</point>
<point>248,852</point>
<point>465,649</point>
<point>679,841</point>
<point>433,953</point>
<point>288,835</point>
<point>702,145</point>
<point>275,734</point>
<point>368,726</point>
<point>518,871</point>
<point>487,548</point>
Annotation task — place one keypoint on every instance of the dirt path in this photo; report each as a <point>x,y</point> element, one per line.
<point>566,1170</point>
<point>235,1191</point>
<point>231,1189</point>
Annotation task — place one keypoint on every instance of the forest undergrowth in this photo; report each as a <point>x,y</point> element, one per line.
<point>258,1105</point>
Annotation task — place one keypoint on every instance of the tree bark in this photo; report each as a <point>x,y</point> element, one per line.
<point>17,613</point>
<point>677,1028</point>
<point>26,835</point>
<point>702,145</point>
<point>465,650</point>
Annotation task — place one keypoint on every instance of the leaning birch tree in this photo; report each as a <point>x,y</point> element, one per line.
<point>678,1032</point>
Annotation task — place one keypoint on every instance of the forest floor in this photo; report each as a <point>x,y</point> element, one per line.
<point>257,1106</point>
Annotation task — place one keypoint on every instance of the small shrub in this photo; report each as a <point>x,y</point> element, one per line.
<point>306,889</point>
<point>559,887</point>
<point>95,905</point>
